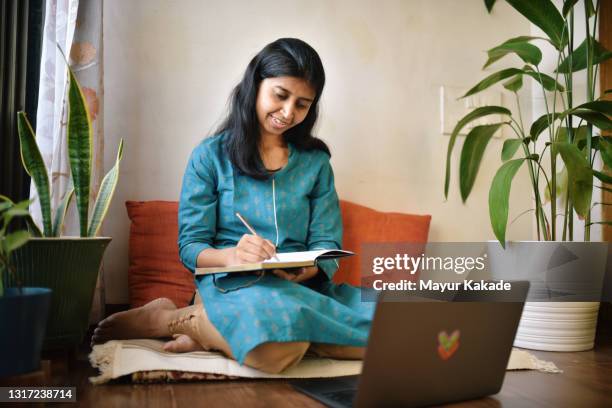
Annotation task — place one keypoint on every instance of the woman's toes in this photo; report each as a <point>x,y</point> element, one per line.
<point>107,322</point>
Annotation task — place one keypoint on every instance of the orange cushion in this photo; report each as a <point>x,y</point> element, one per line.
<point>155,268</point>
<point>365,225</point>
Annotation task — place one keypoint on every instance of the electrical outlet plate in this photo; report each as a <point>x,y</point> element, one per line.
<point>452,108</point>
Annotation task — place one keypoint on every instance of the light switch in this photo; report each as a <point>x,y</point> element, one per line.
<point>452,109</point>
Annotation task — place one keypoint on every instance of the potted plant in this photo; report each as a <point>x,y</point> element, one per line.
<point>561,151</point>
<point>68,265</point>
<point>23,311</point>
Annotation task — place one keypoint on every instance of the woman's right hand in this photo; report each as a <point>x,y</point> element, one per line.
<point>251,249</point>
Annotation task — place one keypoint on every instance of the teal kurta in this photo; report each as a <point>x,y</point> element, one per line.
<point>297,209</point>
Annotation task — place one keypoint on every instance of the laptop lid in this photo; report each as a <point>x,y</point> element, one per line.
<point>432,352</point>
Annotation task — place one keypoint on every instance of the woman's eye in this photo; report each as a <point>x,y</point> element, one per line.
<point>281,96</point>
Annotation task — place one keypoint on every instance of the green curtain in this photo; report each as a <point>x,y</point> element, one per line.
<point>21,25</point>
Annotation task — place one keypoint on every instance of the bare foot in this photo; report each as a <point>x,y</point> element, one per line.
<point>182,344</point>
<point>148,321</point>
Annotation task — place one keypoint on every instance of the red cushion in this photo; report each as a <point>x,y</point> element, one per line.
<point>365,225</point>
<point>155,268</point>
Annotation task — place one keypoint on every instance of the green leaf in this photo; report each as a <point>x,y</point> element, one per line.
<point>561,183</point>
<point>79,149</point>
<point>493,79</point>
<point>579,57</point>
<point>602,177</point>
<point>499,198</point>
<point>8,215</point>
<point>509,149</point>
<point>541,124</point>
<point>580,139</point>
<point>529,53</point>
<point>547,82</point>
<point>471,156</point>
<point>105,195</point>
<point>60,213</point>
<point>514,84</point>
<point>35,167</point>
<point>595,118</point>
<point>16,240</point>
<point>567,6</point>
<point>489,5</point>
<point>34,230</point>
<point>473,115</point>
<point>22,205</point>
<point>16,212</point>
<point>605,149</point>
<point>600,106</point>
<point>579,135</point>
<point>580,176</point>
<point>545,15</point>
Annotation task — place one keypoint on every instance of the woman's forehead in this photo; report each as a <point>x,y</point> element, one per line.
<point>293,85</point>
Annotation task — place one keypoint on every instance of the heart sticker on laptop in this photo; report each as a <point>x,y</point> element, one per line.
<point>448,345</point>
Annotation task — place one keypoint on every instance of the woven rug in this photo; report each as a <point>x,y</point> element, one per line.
<point>145,362</point>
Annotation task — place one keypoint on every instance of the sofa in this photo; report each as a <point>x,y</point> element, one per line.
<point>155,269</point>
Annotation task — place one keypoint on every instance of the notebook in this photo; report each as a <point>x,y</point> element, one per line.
<point>285,260</point>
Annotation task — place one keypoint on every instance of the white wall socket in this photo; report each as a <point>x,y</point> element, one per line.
<point>452,109</point>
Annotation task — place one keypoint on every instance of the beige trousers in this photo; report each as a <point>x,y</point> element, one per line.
<point>272,357</point>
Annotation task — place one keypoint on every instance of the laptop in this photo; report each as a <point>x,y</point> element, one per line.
<point>424,352</point>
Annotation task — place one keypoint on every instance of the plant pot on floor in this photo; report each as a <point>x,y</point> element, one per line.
<point>69,266</point>
<point>566,282</point>
<point>23,318</point>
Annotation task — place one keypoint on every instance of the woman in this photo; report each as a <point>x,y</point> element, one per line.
<point>264,163</point>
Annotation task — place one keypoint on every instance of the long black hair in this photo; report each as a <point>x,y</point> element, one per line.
<point>284,57</point>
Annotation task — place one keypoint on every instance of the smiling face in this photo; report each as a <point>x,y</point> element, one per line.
<point>282,103</point>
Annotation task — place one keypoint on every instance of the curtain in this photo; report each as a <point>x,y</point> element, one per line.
<point>60,21</point>
<point>20,44</point>
<point>77,27</point>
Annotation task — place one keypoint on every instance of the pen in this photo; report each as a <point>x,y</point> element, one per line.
<point>251,230</point>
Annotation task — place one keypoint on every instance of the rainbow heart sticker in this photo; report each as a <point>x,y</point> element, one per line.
<point>448,345</point>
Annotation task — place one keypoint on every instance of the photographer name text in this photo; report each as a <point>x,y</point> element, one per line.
<point>406,285</point>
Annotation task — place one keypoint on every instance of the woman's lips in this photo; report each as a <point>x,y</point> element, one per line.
<point>277,123</point>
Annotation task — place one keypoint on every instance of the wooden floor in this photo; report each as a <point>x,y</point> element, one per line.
<point>585,382</point>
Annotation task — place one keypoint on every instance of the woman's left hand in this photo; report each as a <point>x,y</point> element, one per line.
<point>299,275</point>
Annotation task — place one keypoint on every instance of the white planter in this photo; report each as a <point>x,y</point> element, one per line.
<point>559,272</point>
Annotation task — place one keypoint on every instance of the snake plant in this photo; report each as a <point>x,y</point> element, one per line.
<point>80,139</point>
<point>564,166</point>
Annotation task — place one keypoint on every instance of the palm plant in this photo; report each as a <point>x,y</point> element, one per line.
<point>570,130</point>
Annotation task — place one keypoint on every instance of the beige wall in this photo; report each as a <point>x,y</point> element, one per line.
<point>170,65</point>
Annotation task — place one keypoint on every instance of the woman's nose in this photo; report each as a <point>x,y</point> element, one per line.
<point>287,111</point>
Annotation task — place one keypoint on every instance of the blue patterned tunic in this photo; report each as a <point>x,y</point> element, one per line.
<point>298,210</point>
